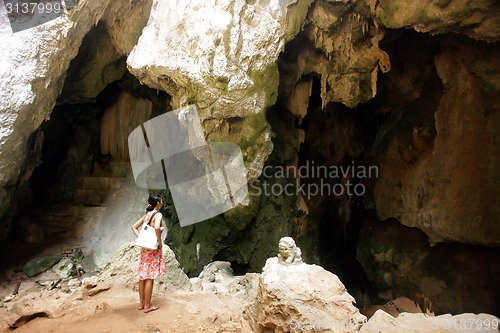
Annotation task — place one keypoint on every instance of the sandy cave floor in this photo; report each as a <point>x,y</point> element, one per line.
<point>116,310</point>
<point>113,310</point>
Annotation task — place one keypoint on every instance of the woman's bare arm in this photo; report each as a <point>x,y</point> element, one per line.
<point>157,220</point>
<point>135,227</point>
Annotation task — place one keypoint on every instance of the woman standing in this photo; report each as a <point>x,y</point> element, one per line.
<point>151,263</point>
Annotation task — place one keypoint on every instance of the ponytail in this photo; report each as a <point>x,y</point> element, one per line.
<point>153,200</point>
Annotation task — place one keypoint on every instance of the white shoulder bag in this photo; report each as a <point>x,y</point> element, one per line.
<point>147,236</point>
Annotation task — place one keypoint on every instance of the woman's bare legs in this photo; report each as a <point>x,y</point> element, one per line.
<point>148,293</point>
<point>142,284</point>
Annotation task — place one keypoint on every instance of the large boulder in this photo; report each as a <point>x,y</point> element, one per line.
<point>221,55</point>
<point>122,266</point>
<point>301,298</point>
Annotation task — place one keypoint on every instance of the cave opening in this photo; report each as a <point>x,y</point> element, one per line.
<point>78,170</point>
<point>331,139</point>
<point>335,137</point>
<point>84,139</point>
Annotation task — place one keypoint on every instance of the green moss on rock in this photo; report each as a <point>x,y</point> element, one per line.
<point>265,82</point>
<point>39,265</point>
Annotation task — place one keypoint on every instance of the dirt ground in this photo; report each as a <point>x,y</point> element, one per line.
<point>113,310</point>
<point>116,310</point>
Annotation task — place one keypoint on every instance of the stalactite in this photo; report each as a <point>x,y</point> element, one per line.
<point>119,120</point>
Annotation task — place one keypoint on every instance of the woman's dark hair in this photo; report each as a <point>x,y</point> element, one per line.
<point>153,201</point>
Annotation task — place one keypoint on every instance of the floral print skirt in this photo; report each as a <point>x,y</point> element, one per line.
<point>151,265</point>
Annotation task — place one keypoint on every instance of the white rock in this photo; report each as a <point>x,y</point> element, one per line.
<point>90,282</point>
<point>218,277</point>
<point>214,277</point>
<point>32,70</point>
<point>64,268</point>
<point>216,271</point>
<point>213,52</point>
<point>301,298</point>
<point>245,287</point>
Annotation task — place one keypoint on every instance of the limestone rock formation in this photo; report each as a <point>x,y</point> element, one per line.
<point>301,298</point>
<point>224,60</point>
<point>340,45</point>
<point>439,172</point>
<point>245,287</point>
<point>436,147</point>
<point>214,277</point>
<point>476,19</point>
<point>33,69</point>
<point>118,121</point>
<point>122,266</point>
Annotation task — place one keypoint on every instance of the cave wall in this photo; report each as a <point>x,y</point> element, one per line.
<point>432,138</point>
<point>32,75</point>
<point>83,191</point>
<point>475,19</point>
<point>438,159</point>
<point>439,171</point>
